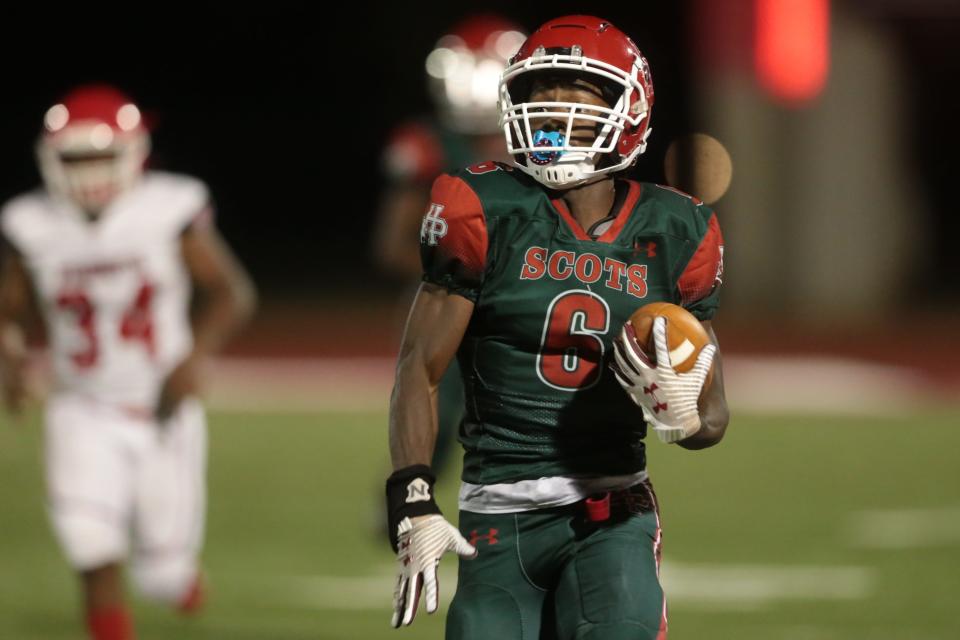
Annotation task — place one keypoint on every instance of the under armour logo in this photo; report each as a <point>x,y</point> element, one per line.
<point>490,537</point>
<point>418,491</point>
<point>657,406</point>
<point>434,227</point>
<point>651,248</point>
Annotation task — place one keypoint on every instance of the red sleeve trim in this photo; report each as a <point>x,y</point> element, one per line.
<point>705,269</point>
<point>455,225</point>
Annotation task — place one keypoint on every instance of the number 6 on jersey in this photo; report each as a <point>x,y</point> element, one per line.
<point>571,349</point>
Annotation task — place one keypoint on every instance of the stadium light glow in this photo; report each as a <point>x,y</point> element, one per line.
<point>792,48</point>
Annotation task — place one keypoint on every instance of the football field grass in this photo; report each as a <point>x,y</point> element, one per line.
<point>796,528</point>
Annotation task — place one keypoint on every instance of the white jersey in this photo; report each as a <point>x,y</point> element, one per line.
<point>114,292</point>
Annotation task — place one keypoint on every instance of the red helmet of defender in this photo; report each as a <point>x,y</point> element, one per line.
<point>601,53</point>
<point>93,146</point>
<point>464,67</point>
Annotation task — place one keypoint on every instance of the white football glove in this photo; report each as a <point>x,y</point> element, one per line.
<point>668,399</point>
<point>421,542</point>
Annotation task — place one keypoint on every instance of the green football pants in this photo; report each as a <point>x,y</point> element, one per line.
<point>553,575</point>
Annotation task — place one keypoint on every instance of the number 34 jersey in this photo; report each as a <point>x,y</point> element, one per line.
<point>549,298</point>
<point>114,292</point>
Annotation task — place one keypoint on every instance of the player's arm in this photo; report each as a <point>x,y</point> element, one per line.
<point>226,294</point>
<point>699,286</point>
<point>419,533</point>
<point>434,330</point>
<point>682,411</point>
<point>226,299</point>
<point>15,305</point>
<point>453,250</point>
<point>714,414</point>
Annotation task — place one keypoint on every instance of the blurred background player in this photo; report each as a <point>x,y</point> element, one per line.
<point>463,70</point>
<point>110,254</point>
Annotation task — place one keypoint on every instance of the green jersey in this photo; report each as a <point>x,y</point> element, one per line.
<point>549,298</point>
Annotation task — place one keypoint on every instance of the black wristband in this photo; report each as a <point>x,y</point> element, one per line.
<point>409,494</point>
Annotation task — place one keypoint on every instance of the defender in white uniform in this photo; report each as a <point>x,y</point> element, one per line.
<point>111,256</point>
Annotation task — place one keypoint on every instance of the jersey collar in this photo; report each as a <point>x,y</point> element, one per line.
<point>620,219</point>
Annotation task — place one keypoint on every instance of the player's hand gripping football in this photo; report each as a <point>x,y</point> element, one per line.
<point>668,399</point>
<point>421,543</point>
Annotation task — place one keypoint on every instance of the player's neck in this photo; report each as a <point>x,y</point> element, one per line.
<point>591,202</point>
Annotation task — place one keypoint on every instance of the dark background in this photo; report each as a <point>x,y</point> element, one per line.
<point>284,113</point>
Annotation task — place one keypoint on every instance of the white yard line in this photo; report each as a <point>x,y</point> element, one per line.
<point>822,384</point>
<point>905,528</point>
<point>739,587</point>
<point>726,587</point>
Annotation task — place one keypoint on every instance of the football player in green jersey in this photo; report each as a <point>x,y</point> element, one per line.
<point>530,272</point>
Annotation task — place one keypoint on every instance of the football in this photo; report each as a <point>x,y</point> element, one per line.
<point>686,337</point>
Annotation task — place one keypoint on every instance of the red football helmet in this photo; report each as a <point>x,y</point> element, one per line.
<point>93,146</point>
<point>463,68</point>
<point>604,55</point>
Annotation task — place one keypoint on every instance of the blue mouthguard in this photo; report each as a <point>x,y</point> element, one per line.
<point>543,138</point>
